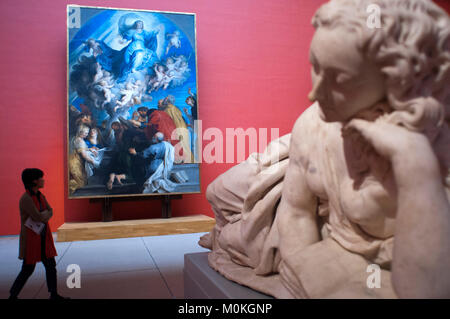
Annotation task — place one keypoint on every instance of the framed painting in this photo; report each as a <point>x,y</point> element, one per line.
<point>131,102</point>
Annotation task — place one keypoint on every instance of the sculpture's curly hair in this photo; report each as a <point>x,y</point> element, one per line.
<point>412,49</point>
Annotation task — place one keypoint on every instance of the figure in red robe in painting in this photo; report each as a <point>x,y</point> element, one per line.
<point>160,121</point>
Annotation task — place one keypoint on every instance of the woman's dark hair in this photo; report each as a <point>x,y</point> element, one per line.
<point>29,175</point>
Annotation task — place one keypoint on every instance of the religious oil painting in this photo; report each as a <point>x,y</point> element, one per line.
<point>131,102</point>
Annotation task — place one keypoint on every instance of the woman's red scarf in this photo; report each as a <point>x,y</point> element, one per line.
<point>33,244</point>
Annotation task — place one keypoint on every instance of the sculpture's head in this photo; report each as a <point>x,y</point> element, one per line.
<point>406,61</point>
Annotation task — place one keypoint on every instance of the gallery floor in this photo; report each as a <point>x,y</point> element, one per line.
<point>140,267</point>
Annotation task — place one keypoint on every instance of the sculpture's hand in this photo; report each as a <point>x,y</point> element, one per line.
<point>423,210</point>
<point>390,141</point>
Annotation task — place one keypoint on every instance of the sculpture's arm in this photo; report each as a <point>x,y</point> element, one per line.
<point>297,220</point>
<point>421,259</point>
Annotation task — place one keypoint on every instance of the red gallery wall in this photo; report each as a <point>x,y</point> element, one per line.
<point>253,72</point>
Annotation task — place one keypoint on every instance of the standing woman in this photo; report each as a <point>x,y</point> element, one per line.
<point>34,247</point>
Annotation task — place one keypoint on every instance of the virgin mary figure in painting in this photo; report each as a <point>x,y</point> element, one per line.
<point>138,54</point>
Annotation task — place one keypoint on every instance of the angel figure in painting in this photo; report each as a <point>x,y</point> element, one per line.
<point>174,40</point>
<point>157,81</point>
<point>93,47</point>
<point>128,93</point>
<point>105,88</point>
<point>362,179</point>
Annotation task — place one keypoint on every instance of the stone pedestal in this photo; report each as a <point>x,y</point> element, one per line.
<point>203,282</point>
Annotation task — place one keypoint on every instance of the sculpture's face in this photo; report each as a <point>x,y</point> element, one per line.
<point>344,82</point>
